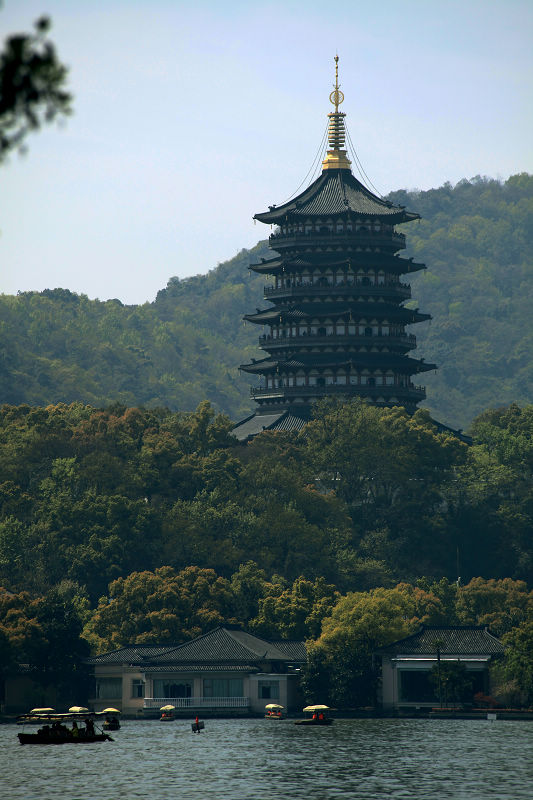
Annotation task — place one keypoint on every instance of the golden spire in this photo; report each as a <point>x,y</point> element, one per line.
<point>336,157</point>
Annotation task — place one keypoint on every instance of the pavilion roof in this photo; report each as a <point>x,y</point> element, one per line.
<point>454,640</point>
<point>337,191</point>
<point>220,646</point>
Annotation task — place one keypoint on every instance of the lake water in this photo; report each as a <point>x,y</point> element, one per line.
<point>256,759</point>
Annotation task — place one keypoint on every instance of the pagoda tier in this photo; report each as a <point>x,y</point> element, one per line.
<point>337,321</point>
<point>360,264</point>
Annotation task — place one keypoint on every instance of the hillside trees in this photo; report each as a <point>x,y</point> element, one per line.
<point>393,471</point>
<point>187,345</point>
<point>363,497</point>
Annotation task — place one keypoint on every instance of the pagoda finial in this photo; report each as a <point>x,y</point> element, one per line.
<point>336,157</point>
<point>336,97</point>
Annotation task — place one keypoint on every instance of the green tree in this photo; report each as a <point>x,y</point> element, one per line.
<point>392,470</point>
<point>44,634</point>
<point>360,623</point>
<point>32,86</point>
<point>296,612</point>
<point>161,606</point>
<point>499,604</point>
<point>518,660</point>
<point>451,682</point>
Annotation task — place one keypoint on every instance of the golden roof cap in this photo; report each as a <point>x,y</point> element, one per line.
<point>336,157</point>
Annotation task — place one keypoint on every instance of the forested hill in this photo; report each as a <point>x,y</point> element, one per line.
<point>186,346</point>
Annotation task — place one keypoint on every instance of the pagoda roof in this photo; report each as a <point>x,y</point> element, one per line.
<point>323,360</point>
<point>358,309</point>
<point>273,265</point>
<point>336,191</point>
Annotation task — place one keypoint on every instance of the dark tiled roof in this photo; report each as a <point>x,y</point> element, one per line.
<point>356,308</point>
<point>336,192</point>
<point>323,360</point>
<point>457,641</point>
<point>356,259</point>
<point>222,646</point>
<point>442,428</point>
<point>281,421</point>
<point>294,650</point>
<point>202,668</point>
<point>131,655</point>
<point>290,422</point>
<point>256,423</point>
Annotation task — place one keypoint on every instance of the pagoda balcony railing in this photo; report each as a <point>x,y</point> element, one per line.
<point>355,239</point>
<point>402,290</point>
<point>407,340</point>
<point>411,391</point>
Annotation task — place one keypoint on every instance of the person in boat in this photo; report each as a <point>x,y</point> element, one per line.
<point>75,730</point>
<point>89,727</point>
<point>321,716</point>
<point>314,715</point>
<point>44,731</point>
<point>59,730</point>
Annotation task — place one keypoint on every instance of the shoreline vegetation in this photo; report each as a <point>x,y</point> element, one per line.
<point>127,525</point>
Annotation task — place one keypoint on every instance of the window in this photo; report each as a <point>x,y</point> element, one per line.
<point>167,688</point>
<point>268,690</point>
<point>109,688</point>
<point>223,687</point>
<point>137,688</point>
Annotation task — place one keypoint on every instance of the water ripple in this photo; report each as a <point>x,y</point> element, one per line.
<point>255,759</point>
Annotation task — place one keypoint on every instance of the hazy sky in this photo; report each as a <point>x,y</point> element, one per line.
<point>192,116</point>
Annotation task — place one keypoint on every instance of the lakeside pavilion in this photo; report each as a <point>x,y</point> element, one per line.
<point>406,665</point>
<point>226,671</point>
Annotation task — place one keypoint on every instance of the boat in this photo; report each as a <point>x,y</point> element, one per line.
<point>110,723</point>
<point>34,717</point>
<point>167,713</point>
<point>273,711</point>
<point>41,738</point>
<point>55,731</point>
<point>319,716</point>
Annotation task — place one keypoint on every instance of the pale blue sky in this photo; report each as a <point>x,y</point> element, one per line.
<point>191,117</point>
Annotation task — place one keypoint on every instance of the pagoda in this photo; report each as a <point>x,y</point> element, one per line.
<point>336,324</point>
